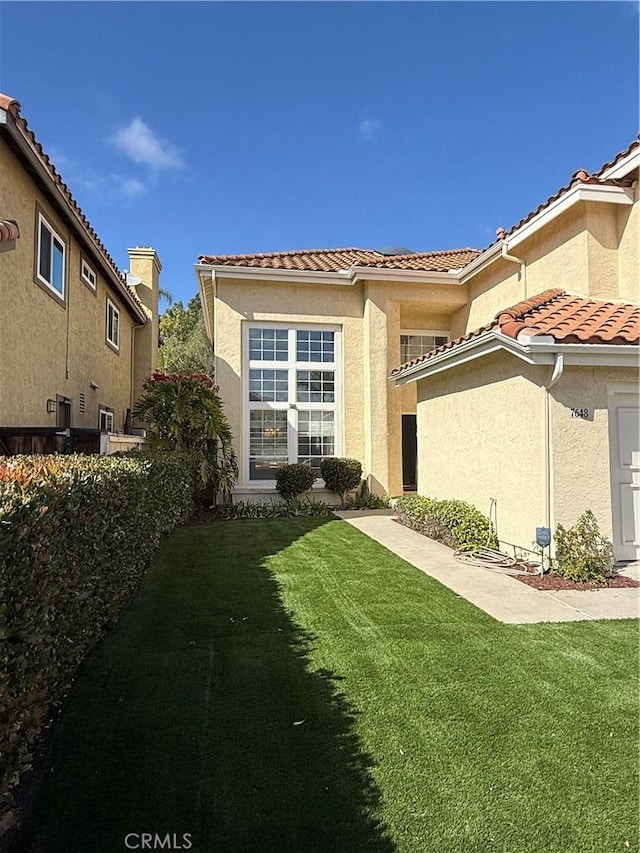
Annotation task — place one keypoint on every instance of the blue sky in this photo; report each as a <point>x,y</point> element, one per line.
<point>241,127</point>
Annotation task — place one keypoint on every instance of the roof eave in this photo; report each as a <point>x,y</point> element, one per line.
<point>603,355</point>
<point>575,194</point>
<point>59,198</point>
<point>348,276</point>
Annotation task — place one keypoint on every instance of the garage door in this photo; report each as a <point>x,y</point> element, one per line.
<point>624,447</point>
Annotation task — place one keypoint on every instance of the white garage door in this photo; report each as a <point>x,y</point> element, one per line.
<point>624,446</point>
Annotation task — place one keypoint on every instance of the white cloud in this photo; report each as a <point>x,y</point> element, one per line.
<point>139,143</point>
<point>369,128</point>
<point>130,187</point>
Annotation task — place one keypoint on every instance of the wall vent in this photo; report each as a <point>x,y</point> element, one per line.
<point>81,404</point>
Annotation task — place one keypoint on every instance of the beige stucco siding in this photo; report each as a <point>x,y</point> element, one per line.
<point>256,301</point>
<point>370,316</point>
<point>581,472</point>
<point>480,437</point>
<point>48,348</point>
<point>591,249</point>
<point>628,222</point>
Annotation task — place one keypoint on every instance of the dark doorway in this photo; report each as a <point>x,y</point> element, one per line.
<point>409,453</point>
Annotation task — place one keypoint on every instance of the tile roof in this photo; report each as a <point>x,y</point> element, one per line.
<point>579,177</point>
<point>567,319</point>
<point>9,230</point>
<point>12,107</point>
<point>334,260</point>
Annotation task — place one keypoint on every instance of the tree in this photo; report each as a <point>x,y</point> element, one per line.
<point>184,346</point>
<point>184,412</point>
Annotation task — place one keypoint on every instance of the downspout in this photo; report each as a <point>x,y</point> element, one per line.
<point>558,368</point>
<point>523,267</point>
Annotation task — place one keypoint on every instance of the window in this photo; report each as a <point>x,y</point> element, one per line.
<point>268,344</point>
<point>106,420</point>
<point>51,257</point>
<point>291,397</point>
<point>415,344</point>
<point>113,325</point>
<point>88,274</point>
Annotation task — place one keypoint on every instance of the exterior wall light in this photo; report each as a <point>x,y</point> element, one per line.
<point>51,407</point>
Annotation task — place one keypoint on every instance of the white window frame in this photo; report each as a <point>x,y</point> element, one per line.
<point>116,311</point>
<point>85,267</point>
<point>109,418</point>
<point>291,406</point>
<point>436,333</point>
<point>42,220</point>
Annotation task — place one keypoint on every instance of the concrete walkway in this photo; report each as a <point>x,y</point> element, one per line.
<point>499,595</point>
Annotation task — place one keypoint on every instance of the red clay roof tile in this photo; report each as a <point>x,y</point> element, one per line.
<point>567,319</point>
<point>9,230</point>
<point>334,260</point>
<point>581,176</point>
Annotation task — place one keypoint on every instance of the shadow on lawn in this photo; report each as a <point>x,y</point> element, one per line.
<point>199,715</point>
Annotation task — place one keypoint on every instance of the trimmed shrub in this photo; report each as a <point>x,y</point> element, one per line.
<point>341,475</point>
<point>76,533</point>
<point>582,553</point>
<point>293,480</point>
<point>454,523</point>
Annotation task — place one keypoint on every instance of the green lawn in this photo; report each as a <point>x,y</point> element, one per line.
<point>424,724</point>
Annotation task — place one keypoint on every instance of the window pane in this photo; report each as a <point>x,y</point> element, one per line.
<point>268,344</point>
<point>315,386</point>
<point>269,385</point>
<point>413,346</point>
<point>116,328</point>
<point>44,266</point>
<point>316,438</point>
<point>267,443</point>
<point>315,346</point>
<point>265,469</point>
<point>268,433</point>
<point>57,271</point>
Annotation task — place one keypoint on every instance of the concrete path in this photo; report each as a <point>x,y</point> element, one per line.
<point>499,595</point>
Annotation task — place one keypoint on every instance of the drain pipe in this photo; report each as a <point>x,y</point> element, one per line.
<point>505,254</point>
<point>558,369</point>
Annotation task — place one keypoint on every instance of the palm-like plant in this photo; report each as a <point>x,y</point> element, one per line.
<point>184,412</point>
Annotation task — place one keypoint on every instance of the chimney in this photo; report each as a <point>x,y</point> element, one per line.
<point>144,279</point>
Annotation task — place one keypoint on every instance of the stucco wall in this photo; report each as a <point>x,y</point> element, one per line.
<point>47,348</point>
<point>480,437</point>
<point>628,223</point>
<point>581,447</point>
<point>369,316</point>
<point>591,249</point>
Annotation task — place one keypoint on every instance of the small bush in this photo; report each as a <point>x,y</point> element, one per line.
<point>294,480</point>
<point>582,553</point>
<point>341,475</point>
<point>454,523</point>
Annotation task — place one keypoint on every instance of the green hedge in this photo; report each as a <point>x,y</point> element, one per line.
<point>76,533</point>
<point>455,523</point>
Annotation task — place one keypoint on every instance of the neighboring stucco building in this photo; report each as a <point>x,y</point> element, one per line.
<point>76,337</point>
<point>305,342</point>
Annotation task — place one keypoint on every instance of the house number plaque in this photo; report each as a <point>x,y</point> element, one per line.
<point>583,412</point>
